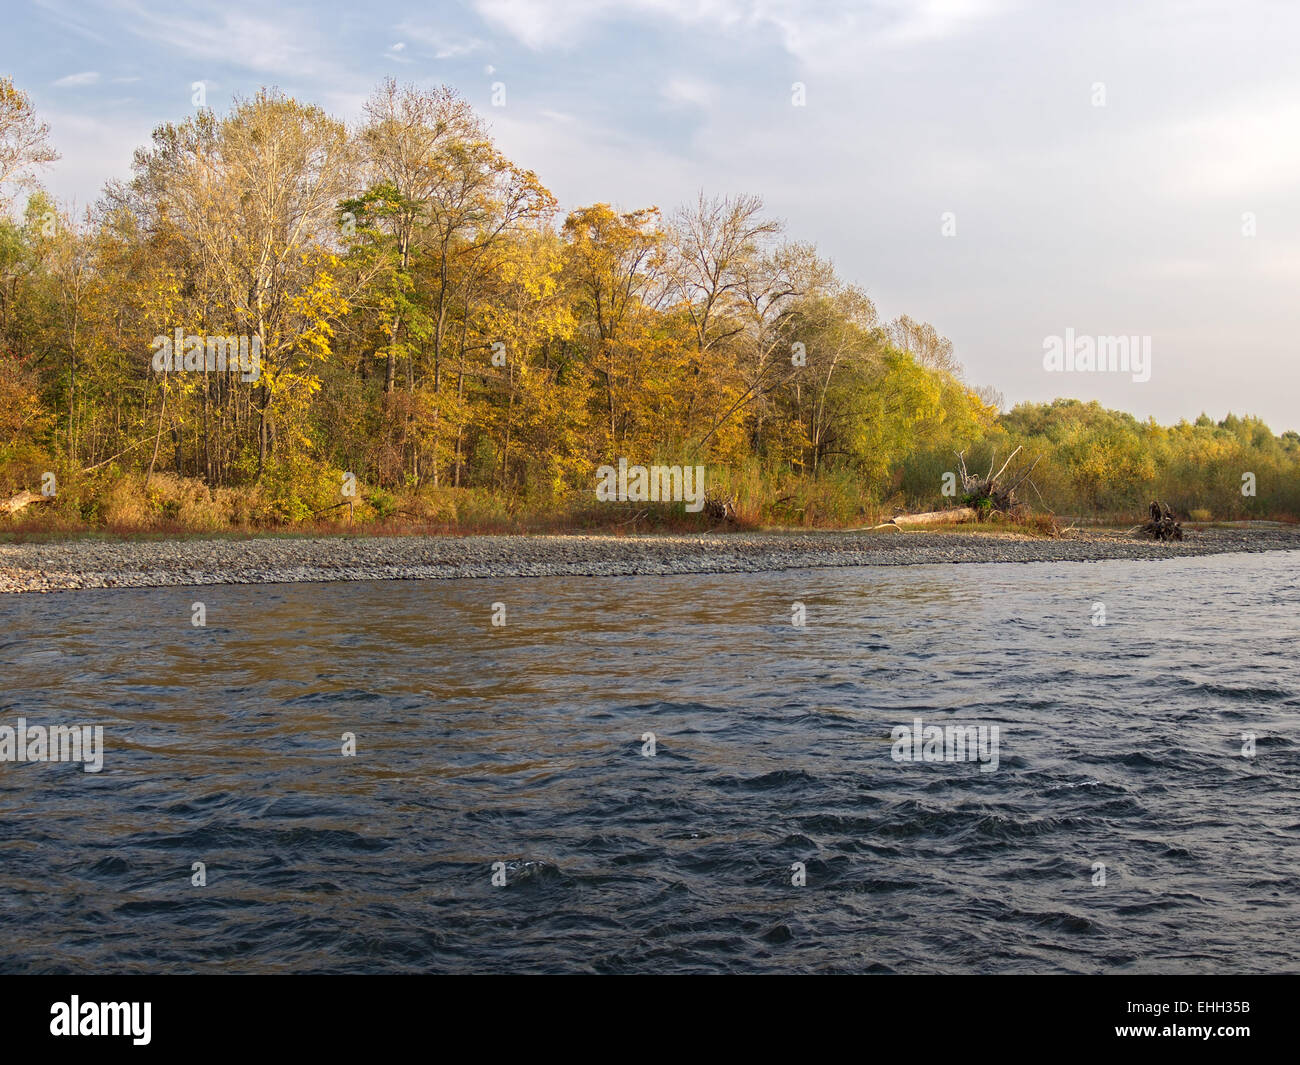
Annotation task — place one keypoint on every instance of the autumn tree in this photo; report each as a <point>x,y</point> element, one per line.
<point>254,199</point>
<point>924,343</point>
<point>23,141</point>
<point>613,263</point>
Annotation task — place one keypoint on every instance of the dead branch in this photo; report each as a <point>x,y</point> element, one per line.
<point>1004,465</point>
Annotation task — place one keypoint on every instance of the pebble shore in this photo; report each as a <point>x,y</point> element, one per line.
<point>49,567</point>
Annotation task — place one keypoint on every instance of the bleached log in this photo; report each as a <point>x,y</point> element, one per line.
<point>14,504</point>
<point>937,517</point>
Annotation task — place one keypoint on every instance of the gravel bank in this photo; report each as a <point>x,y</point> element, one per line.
<point>144,564</point>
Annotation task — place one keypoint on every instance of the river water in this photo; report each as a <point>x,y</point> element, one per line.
<point>1143,816</point>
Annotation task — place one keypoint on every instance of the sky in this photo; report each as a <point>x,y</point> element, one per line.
<point>1011,173</point>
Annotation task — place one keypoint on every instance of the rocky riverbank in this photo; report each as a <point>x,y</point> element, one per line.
<point>45,567</point>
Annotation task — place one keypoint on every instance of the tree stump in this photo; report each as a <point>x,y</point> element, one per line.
<point>1161,524</point>
<point>719,510</point>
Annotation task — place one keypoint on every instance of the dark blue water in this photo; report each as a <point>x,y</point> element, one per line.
<point>1119,744</point>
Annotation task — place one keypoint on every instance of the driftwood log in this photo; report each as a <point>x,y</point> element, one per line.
<point>1161,524</point>
<point>933,517</point>
<point>14,504</point>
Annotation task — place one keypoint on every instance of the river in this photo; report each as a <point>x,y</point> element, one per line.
<point>666,774</point>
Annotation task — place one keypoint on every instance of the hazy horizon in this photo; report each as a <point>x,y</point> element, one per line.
<point>1124,219</point>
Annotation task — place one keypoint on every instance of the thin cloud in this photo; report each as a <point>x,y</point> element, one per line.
<point>443,44</point>
<point>834,32</point>
<point>688,92</point>
<point>86,77</point>
<point>541,24</point>
<point>235,38</point>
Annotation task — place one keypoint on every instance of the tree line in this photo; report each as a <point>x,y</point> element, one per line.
<point>426,321</point>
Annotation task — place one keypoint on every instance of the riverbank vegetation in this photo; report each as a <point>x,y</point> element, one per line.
<point>438,348</point>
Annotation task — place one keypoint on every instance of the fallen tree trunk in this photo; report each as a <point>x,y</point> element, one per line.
<point>14,504</point>
<point>934,517</point>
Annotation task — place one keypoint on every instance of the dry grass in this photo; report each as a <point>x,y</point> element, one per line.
<point>175,502</point>
<point>125,506</point>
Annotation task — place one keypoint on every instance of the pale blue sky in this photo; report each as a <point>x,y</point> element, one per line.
<point>1122,219</point>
